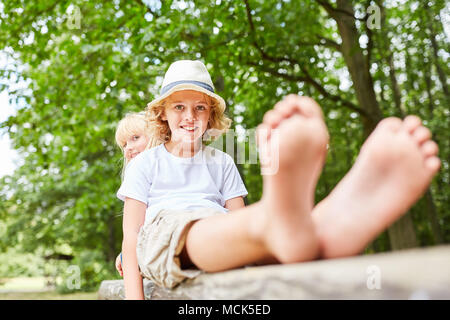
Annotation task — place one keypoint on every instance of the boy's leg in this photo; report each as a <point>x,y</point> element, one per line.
<point>394,168</point>
<point>278,227</point>
<point>224,242</point>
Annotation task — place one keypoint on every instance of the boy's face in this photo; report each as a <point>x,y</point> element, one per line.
<point>187,113</point>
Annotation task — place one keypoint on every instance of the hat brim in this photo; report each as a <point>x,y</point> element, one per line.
<point>188,86</point>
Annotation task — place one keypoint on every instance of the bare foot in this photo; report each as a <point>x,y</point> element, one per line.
<point>394,168</point>
<point>292,168</point>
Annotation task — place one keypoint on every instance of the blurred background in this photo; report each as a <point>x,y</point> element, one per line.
<point>70,70</point>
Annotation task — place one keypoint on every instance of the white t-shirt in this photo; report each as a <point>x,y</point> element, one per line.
<point>164,181</point>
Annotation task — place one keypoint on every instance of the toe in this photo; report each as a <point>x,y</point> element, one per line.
<point>272,118</point>
<point>433,164</point>
<point>285,109</point>
<point>421,134</point>
<point>262,134</point>
<point>429,148</point>
<point>391,123</point>
<point>305,105</point>
<point>411,123</point>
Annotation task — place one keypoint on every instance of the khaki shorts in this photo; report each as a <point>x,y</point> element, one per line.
<point>160,242</point>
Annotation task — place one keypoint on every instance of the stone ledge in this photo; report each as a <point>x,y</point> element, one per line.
<point>421,273</point>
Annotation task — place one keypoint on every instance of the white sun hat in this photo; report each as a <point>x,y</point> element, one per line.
<point>187,75</point>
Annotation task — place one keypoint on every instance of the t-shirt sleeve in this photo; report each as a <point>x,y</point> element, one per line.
<point>136,182</point>
<point>232,186</point>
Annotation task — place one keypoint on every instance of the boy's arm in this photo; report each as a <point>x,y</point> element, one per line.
<point>235,203</point>
<point>133,219</point>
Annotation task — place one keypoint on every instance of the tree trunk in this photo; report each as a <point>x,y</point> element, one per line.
<point>401,233</point>
<point>431,207</point>
<point>428,83</point>
<point>441,73</point>
<point>429,93</point>
<point>433,217</point>
<point>111,254</point>
<point>357,66</point>
<point>395,88</point>
<point>386,41</point>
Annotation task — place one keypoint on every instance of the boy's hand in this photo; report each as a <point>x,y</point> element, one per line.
<point>119,265</point>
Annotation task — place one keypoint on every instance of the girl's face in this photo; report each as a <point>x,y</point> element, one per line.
<point>135,145</point>
<point>187,113</point>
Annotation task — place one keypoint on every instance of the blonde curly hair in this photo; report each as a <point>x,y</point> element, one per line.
<point>218,122</point>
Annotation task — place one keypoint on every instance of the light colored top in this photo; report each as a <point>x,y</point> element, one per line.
<point>162,180</point>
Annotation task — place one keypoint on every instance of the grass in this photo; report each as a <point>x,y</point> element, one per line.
<point>47,295</point>
<point>35,289</point>
<point>22,283</point>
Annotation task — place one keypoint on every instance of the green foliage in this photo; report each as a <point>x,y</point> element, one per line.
<point>81,81</point>
<point>17,264</point>
<point>92,270</point>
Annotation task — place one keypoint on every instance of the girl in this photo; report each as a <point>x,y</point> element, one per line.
<point>181,189</point>
<point>132,136</point>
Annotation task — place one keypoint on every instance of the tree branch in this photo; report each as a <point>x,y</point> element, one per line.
<point>333,97</point>
<point>308,79</point>
<point>29,19</point>
<point>330,43</point>
<point>250,23</point>
<point>332,10</point>
<point>327,6</point>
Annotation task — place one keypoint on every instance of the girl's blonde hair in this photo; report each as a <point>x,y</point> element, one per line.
<point>132,124</point>
<point>218,122</point>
